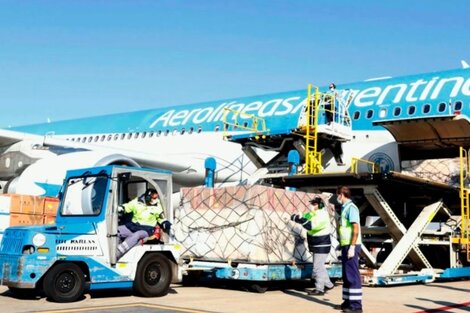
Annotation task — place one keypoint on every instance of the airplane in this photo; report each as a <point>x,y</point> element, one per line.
<point>385,121</point>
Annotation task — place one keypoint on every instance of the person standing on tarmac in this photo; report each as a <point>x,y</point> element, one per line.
<point>350,241</point>
<point>147,214</point>
<point>317,223</point>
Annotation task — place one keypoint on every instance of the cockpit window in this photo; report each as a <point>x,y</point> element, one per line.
<point>84,196</point>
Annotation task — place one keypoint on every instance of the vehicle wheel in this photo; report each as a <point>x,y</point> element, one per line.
<point>258,287</point>
<point>153,276</point>
<point>65,282</point>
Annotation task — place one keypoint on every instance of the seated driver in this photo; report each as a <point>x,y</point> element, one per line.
<point>147,213</point>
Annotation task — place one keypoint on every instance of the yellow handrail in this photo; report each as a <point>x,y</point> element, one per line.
<point>355,163</point>
<point>254,124</point>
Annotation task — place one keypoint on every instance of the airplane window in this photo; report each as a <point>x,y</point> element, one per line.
<point>356,115</point>
<point>217,127</point>
<point>167,132</point>
<point>97,138</point>
<point>396,111</point>
<point>458,105</point>
<point>136,135</point>
<point>116,137</point>
<point>102,137</point>
<point>245,124</point>
<point>175,131</point>
<point>199,129</point>
<point>144,134</point>
<point>129,135</point>
<point>426,108</point>
<point>109,137</point>
<point>382,113</point>
<point>123,136</point>
<point>159,133</point>
<point>191,129</point>
<point>151,134</point>
<point>84,139</point>
<point>442,107</point>
<point>411,110</point>
<point>369,114</point>
<point>183,131</point>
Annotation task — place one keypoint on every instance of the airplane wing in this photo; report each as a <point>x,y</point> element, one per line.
<point>181,165</point>
<point>177,164</point>
<point>9,137</point>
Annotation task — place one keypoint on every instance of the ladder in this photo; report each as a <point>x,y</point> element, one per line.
<point>464,201</point>
<point>313,158</point>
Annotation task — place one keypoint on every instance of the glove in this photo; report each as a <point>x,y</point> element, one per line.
<point>166,226</point>
<point>351,251</point>
<point>294,217</point>
<point>120,209</point>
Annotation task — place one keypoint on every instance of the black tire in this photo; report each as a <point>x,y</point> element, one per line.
<point>65,282</point>
<point>258,287</point>
<point>153,276</point>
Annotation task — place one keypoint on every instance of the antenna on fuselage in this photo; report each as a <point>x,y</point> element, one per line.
<point>464,64</point>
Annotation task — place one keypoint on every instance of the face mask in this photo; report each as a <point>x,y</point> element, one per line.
<point>153,201</point>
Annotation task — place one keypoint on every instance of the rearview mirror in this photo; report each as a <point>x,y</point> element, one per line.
<point>126,176</point>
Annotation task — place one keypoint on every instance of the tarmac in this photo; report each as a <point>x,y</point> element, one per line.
<point>434,297</point>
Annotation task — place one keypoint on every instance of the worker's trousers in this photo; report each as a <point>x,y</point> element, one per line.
<point>320,274</point>
<point>129,238</point>
<point>352,287</point>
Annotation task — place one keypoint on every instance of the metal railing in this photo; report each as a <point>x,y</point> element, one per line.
<point>251,122</point>
<point>355,165</point>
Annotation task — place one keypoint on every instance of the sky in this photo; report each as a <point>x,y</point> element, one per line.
<point>69,59</point>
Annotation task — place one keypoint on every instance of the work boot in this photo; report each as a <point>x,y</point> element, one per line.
<point>349,310</point>
<point>340,307</point>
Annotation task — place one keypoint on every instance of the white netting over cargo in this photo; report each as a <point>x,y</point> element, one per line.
<point>445,171</point>
<point>243,223</point>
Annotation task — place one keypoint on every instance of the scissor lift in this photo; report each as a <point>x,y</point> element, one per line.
<point>411,240</point>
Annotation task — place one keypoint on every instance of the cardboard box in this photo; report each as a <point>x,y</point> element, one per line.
<point>26,204</point>
<point>50,206</point>
<point>49,219</point>
<point>19,219</point>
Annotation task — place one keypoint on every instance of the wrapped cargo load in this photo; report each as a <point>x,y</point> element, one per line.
<point>444,171</point>
<point>244,224</point>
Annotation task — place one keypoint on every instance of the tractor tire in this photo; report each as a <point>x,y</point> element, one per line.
<point>65,282</point>
<point>153,276</point>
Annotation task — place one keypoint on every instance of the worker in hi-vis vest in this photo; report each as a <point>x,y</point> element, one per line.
<point>350,241</point>
<point>318,226</point>
<point>147,217</point>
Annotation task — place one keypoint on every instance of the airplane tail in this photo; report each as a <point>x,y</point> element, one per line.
<point>464,64</point>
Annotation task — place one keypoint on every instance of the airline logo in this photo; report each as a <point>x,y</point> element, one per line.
<point>419,90</point>
<point>373,93</point>
<point>273,107</point>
